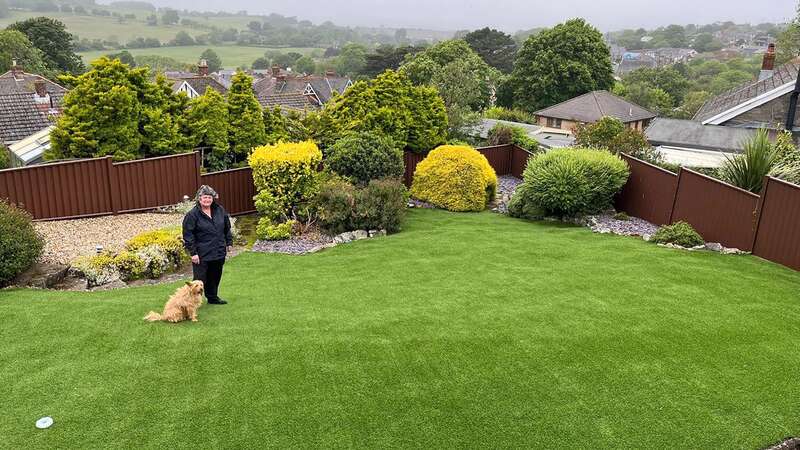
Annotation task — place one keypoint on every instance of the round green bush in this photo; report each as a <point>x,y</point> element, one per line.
<point>567,182</point>
<point>455,178</point>
<point>361,157</point>
<point>679,233</point>
<point>20,244</point>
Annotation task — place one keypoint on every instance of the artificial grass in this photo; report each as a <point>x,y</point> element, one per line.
<point>464,330</point>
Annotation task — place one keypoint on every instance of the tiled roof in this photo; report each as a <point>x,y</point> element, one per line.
<point>21,115</point>
<point>784,74</point>
<point>200,84</point>
<point>593,106</point>
<point>287,100</point>
<point>24,82</point>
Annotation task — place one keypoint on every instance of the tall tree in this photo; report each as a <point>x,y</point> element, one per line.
<point>170,17</point>
<point>351,59</point>
<point>245,121</point>
<point>305,64</point>
<point>51,37</point>
<point>207,123</point>
<point>495,47</point>
<point>212,59</point>
<point>788,42</point>
<point>15,46</point>
<point>558,64</point>
<point>387,57</point>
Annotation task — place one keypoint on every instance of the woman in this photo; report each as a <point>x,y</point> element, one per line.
<point>207,237</point>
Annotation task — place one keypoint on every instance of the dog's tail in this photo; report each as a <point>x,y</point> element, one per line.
<point>153,317</point>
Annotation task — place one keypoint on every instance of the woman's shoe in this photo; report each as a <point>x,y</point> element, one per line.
<point>217,301</point>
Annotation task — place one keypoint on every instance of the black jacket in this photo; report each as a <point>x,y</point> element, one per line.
<point>207,237</point>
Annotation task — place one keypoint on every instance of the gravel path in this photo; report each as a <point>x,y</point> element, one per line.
<point>295,246</point>
<point>65,240</point>
<point>634,226</point>
<point>506,185</point>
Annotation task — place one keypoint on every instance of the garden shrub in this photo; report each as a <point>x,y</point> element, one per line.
<point>502,134</point>
<point>130,265</point>
<point>456,178</point>
<point>20,244</point>
<point>169,240</point>
<point>509,115</point>
<point>568,182</point>
<point>380,205</point>
<point>679,233</point>
<point>365,156</point>
<point>266,230</point>
<point>287,172</point>
<point>622,216</point>
<point>97,269</point>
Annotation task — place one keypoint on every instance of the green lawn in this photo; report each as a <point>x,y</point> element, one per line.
<point>464,330</point>
<point>232,56</point>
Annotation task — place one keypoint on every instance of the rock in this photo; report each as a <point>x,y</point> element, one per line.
<point>114,284</point>
<point>714,246</point>
<point>42,276</point>
<point>698,247</point>
<point>604,230</point>
<point>360,235</point>
<point>732,251</point>
<point>647,237</point>
<point>373,233</point>
<point>346,237</point>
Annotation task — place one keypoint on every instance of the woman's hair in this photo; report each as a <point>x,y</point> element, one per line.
<point>206,190</point>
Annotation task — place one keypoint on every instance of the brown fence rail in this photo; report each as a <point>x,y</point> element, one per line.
<point>778,225</point>
<point>718,211</point>
<point>235,188</point>
<point>649,192</point>
<point>162,181</point>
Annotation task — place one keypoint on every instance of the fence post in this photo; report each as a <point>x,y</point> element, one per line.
<point>761,201</point>
<point>675,199</point>
<point>113,186</point>
<point>197,171</point>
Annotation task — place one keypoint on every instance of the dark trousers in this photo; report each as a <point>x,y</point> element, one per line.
<point>210,273</point>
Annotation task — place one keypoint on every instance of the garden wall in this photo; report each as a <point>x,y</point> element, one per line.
<point>768,225</point>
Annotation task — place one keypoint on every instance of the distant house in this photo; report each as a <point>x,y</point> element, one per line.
<point>635,60</point>
<point>195,84</point>
<point>690,143</point>
<point>317,89</point>
<point>591,107</point>
<point>29,105</point>
<point>547,138</point>
<point>761,103</point>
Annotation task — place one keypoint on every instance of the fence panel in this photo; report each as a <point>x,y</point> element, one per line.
<point>778,234</point>
<point>411,160</point>
<point>150,183</point>
<point>62,190</point>
<point>499,157</point>
<point>718,211</point>
<point>649,193</point>
<point>519,160</point>
<point>235,188</point>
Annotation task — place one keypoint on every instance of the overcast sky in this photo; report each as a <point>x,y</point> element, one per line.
<point>509,15</point>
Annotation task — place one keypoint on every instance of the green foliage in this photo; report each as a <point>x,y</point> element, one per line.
<point>130,265</point>
<point>268,231</point>
<point>380,205</point>
<point>116,111</point>
<point>691,104</point>
<point>509,115</point>
<point>748,169</point>
<point>456,178</point>
<point>288,173</point>
<point>160,64</point>
<point>212,59</point>
<point>679,233</point>
<point>622,216</point>
<point>387,57</point>
<point>611,134</point>
<point>561,63</point>
<point>51,37</point>
<point>705,42</point>
<point>182,38</point>
<point>567,182</point>
<point>124,56</point>
<point>788,43</point>
<point>207,123</point>
<point>245,121</point>
<point>787,166</point>
<point>14,45</point>
<point>361,157</point>
<point>413,116</point>
<point>495,47</point>
<point>668,79</point>
<point>464,81</point>
<point>502,134</point>
<point>5,158</point>
<point>351,59</point>
<point>20,244</point>
<point>306,65</point>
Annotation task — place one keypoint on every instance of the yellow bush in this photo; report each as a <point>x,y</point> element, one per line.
<point>287,171</point>
<point>456,178</point>
<point>170,240</point>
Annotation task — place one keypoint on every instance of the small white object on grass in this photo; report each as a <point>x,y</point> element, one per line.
<point>44,422</point>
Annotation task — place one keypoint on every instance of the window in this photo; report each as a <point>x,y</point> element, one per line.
<point>553,123</point>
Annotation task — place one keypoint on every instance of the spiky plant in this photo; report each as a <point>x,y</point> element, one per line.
<point>748,170</point>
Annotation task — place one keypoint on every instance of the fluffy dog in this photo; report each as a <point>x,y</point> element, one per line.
<point>182,305</point>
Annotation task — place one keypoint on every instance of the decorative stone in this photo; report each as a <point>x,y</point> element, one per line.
<point>732,251</point>
<point>647,237</point>
<point>714,246</point>
<point>42,276</point>
<point>381,232</point>
<point>699,247</point>
<point>360,234</point>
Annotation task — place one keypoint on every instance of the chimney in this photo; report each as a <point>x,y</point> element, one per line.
<point>16,70</point>
<point>202,68</point>
<point>768,65</point>
<point>39,86</point>
<point>330,73</point>
<point>276,70</point>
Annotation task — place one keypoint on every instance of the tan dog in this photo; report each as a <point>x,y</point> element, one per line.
<point>182,305</point>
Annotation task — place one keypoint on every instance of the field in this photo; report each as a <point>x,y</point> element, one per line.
<point>232,56</point>
<point>462,331</point>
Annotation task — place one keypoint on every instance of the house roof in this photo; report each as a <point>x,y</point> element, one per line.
<point>693,134</point>
<point>546,137</point>
<point>32,148</point>
<point>24,83</point>
<point>782,77</point>
<point>23,114</point>
<point>287,100</point>
<point>200,84</point>
<point>593,106</point>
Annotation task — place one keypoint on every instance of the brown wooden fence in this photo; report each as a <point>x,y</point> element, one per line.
<point>235,188</point>
<point>768,225</point>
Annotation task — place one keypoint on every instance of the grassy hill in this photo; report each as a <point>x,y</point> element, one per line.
<point>232,56</point>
